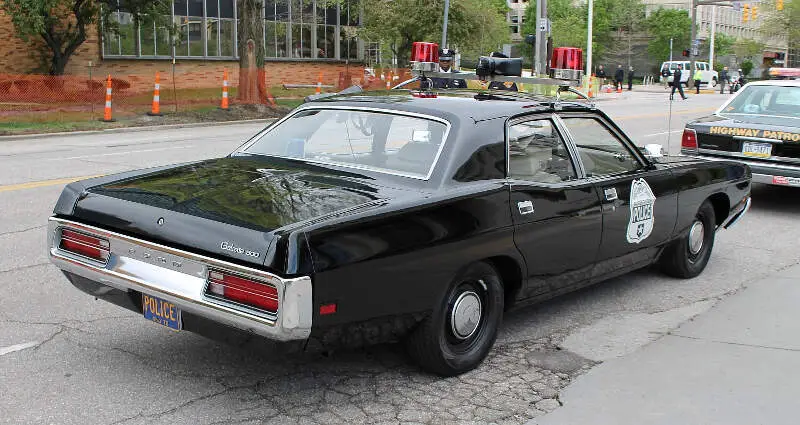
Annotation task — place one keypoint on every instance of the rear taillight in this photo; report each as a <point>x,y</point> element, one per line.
<point>85,245</point>
<point>689,139</point>
<point>242,290</point>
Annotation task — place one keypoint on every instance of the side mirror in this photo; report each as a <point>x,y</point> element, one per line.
<point>653,150</point>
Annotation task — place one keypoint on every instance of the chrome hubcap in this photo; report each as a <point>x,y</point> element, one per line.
<point>466,315</point>
<point>696,235</point>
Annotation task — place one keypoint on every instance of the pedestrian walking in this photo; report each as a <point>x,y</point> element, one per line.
<point>676,83</point>
<point>698,79</point>
<point>630,78</point>
<point>723,79</point>
<point>619,76</point>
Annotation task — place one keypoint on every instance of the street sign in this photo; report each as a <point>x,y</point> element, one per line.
<point>544,25</point>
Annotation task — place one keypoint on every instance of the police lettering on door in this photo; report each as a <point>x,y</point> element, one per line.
<point>641,220</point>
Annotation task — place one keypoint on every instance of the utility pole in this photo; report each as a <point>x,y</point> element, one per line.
<point>713,34</point>
<point>670,49</point>
<point>541,37</point>
<point>589,40</point>
<point>690,81</point>
<point>444,26</point>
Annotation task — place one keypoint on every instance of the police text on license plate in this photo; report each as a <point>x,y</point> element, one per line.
<point>161,311</point>
<point>758,150</point>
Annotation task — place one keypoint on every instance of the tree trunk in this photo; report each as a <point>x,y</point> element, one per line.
<point>251,51</point>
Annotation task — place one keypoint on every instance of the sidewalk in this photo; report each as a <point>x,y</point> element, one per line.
<point>738,363</point>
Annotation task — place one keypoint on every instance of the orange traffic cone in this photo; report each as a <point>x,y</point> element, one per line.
<point>155,111</point>
<point>319,84</point>
<point>107,110</point>
<point>389,81</point>
<point>224,104</point>
<point>591,94</point>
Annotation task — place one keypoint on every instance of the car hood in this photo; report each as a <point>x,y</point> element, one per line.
<point>221,205</point>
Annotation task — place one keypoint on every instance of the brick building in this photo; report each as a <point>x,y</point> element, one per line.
<point>303,39</point>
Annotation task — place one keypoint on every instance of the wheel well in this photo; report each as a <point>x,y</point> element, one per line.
<point>510,272</point>
<point>722,206</point>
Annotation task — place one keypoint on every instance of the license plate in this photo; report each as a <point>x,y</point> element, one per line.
<point>161,311</point>
<point>758,150</point>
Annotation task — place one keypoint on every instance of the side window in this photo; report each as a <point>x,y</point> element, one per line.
<point>600,150</point>
<point>537,153</point>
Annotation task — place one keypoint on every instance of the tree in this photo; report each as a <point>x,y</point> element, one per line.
<point>474,26</point>
<point>61,25</point>
<point>723,44</point>
<point>251,49</point>
<point>627,17</point>
<point>781,22</point>
<point>747,48</point>
<point>666,24</point>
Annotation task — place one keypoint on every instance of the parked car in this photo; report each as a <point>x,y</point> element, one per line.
<point>759,126</point>
<point>710,77</point>
<point>368,218</point>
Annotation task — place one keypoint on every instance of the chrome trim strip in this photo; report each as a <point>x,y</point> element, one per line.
<point>734,218</point>
<point>738,155</point>
<point>184,284</point>
<point>757,139</point>
<point>257,137</point>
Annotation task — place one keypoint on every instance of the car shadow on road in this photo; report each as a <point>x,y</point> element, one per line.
<point>775,198</point>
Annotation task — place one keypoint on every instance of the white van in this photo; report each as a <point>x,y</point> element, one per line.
<point>710,77</point>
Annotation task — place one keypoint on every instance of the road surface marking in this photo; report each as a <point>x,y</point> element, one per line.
<point>120,153</point>
<point>662,133</point>
<point>17,347</point>
<point>662,114</point>
<point>43,183</point>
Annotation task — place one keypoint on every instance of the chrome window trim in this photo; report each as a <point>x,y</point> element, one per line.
<point>186,287</point>
<point>257,137</point>
<point>566,139</point>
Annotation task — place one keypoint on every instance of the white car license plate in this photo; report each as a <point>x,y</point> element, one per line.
<point>758,150</point>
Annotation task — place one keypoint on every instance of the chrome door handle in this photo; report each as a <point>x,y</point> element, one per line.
<point>610,193</point>
<point>525,207</point>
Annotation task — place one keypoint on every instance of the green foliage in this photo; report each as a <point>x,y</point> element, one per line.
<point>61,25</point>
<point>747,67</point>
<point>474,26</point>
<point>747,48</point>
<point>781,22</point>
<point>723,44</point>
<point>664,24</point>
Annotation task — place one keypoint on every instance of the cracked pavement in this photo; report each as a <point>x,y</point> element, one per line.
<point>86,361</point>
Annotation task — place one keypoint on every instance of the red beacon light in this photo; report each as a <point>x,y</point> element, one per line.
<point>566,63</point>
<point>424,56</point>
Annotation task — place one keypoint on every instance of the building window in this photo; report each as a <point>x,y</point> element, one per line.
<point>293,29</point>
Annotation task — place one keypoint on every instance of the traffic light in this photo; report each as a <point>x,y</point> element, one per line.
<point>746,12</point>
<point>754,13</point>
<point>779,4</point>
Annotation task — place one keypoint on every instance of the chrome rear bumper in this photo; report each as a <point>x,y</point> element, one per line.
<point>180,277</point>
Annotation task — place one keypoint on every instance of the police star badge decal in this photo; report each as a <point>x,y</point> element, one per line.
<point>640,224</point>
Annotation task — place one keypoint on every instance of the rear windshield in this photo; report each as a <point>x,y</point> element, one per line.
<point>386,142</point>
<point>766,100</point>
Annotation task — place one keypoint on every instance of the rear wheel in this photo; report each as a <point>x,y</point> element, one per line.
<point>688,256</point>
<point>713,82</point>
<point>462,328</point>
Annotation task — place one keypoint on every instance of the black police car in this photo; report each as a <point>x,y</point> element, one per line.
<point>759,126</point>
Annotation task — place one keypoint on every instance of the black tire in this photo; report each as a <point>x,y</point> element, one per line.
<point>436,344</point>
<point>682,258</point>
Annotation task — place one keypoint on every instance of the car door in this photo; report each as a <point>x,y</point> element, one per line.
<point>555,210</point>
<point>639,199</point>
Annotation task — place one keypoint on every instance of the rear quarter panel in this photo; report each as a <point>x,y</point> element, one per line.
<point>698,181</point>
<point>401,259</point>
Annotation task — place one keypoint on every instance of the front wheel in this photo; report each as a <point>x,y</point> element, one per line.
<point>688,256</point>
<point>713,82</point>
<point>463,326</point>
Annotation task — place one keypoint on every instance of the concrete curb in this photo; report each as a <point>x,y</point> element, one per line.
<point>130,129</point>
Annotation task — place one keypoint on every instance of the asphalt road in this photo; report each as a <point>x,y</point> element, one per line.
<point>66,358</point>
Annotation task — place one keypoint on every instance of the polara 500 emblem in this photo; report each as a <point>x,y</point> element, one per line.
<point>642,200</point>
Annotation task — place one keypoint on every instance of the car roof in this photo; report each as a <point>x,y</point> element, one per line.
<point>475,105</point>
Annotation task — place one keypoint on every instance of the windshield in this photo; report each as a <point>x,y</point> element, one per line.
<point>766,100</point>
<point>392,143</point>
